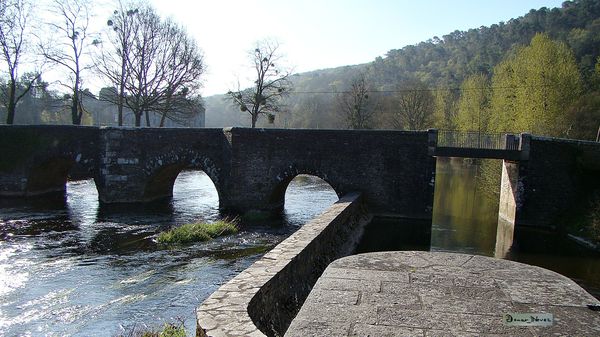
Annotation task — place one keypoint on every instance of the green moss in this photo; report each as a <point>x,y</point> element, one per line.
<point>197,232</point>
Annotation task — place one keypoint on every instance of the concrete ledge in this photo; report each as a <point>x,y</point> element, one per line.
<point>263,299</point>
<point>442,294</point>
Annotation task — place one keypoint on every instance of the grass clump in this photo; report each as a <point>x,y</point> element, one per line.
<point>168,330</point>
<point>195,232</point>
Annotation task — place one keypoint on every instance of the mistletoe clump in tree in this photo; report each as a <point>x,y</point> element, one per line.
<point>271,84</point>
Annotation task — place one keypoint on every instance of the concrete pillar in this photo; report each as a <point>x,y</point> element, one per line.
<point>507,210</point>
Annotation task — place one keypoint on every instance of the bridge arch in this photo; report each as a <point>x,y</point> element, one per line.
<point>51,173</point>
<point>162,171</point>
<point>283,179</point>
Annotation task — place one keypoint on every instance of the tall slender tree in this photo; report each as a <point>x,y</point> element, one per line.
<point>113,59</point>
<point>71,26</point>
<point>474,104</point>
<point>14,39</point>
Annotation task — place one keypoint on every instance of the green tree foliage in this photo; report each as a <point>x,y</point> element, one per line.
<point>534,87</point>
<point>446,109</point>
<point>473,112</point>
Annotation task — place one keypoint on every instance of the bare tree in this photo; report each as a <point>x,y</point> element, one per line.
<point>113,59</point>
<point>164,66</point>
<point>72,25</point>
<point>415,107</point>
<point>356,106</point>
<point>14,26</point>
<point>271,84</point>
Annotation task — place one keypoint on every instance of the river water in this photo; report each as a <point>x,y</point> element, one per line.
<point>70,267</point>
<point>465,220</point>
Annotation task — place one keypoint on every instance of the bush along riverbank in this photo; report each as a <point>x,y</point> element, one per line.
<point>197,232</point>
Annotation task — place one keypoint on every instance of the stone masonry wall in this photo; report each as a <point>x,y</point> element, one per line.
<point>263,299</point>
<point>141,164</point>
<point>391,168</point>
<point>559,174</point>
<point>37,159</point>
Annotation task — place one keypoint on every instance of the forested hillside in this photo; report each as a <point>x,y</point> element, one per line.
<point>542,66</point>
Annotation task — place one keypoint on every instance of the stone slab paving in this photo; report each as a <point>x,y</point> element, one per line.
<point>392,294</point>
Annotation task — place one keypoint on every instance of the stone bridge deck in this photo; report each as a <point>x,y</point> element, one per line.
<point>441,294</point>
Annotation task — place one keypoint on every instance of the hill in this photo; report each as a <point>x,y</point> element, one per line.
<point>440,62</point>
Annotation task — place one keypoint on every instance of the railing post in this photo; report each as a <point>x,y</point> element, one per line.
<point>432,141</point>
<point>510,140</point>
<point>524,145</point>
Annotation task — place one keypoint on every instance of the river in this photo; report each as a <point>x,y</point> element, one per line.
<point>465,219</point>
<point>71,267</point>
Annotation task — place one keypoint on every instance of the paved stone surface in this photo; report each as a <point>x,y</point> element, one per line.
<point>392,294</point>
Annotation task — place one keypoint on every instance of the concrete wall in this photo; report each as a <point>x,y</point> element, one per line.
<point>263,299</point>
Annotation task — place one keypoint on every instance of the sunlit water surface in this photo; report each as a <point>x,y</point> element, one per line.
<point>73,268</point>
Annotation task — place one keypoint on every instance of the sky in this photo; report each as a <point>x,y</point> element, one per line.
<point>318,34</point>
<point>315,34</point>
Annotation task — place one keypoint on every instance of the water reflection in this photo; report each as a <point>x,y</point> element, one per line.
<point>465,219</point>
<point>73,267</point>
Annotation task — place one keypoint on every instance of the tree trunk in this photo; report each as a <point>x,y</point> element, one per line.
<point>162,119</point>
<point>138,118</point>
<point>147,119</point>
<point>120,108</point>
<point>75,109</point>
<point>10,116</point>
<point>254,118</point>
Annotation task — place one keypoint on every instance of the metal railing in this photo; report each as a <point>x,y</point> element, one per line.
<point>477,140</point>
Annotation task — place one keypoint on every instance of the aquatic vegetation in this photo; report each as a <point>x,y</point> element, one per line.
<point>167,330</point>
<point>197,232</point>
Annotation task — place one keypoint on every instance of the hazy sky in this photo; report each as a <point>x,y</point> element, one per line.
<point>316,34</point>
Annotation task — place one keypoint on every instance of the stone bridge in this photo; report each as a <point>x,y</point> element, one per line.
<point>251,168</point>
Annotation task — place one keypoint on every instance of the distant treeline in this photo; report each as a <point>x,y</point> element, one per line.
<point>538,73</point>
